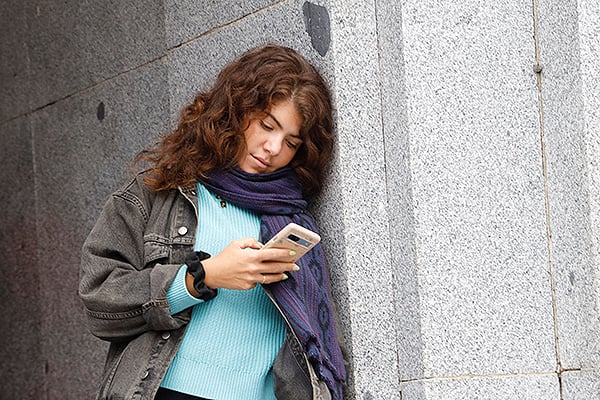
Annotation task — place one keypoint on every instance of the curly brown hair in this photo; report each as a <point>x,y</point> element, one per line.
<point>209,134</point>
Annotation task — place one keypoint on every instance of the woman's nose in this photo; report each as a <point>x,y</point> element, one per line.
<point>273,145</point>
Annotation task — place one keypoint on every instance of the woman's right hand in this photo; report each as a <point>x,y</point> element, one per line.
<point>241,266</point>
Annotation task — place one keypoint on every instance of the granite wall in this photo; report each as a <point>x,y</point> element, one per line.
<point>461,218</point>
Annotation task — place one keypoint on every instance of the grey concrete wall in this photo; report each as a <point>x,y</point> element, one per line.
<point>462,210</point>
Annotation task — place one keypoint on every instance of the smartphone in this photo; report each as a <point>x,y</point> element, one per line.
<point>294,237</point>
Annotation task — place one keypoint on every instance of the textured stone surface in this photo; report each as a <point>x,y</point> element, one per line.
<point>81,156</point>
<point>186,20</point>
<point>399,188</point>
<point>356,202</point>
<point>22,372</point>
<point>569,120</point>
<point>540,387</point>
<point>480,271</point>
<point>581,385</point>
<point>589,47</point>
<point>76,44</point>
<point>14,62</point>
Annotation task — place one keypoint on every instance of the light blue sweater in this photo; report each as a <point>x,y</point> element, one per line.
<point>232,340</point>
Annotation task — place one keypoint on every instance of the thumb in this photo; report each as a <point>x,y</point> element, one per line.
<point>249,243</point>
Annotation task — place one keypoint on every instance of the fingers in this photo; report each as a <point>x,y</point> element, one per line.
<point>272,278</point>
<point>274,268</point>
<point>266,254</point>
<point>277,254</point>
<point>241,266</point>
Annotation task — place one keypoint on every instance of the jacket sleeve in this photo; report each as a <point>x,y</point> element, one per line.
<point>122,295</point>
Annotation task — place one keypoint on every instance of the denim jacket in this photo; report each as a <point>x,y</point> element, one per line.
<point>129,260</point>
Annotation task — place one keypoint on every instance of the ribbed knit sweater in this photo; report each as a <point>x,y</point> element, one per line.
<point>232,340</point>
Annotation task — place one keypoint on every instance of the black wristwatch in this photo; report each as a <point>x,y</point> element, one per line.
<point>196,269</point>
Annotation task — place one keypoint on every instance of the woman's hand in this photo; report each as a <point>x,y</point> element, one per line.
<point>241,266</point>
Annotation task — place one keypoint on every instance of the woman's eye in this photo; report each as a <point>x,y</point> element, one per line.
<point>292,145</point>
<point>266,126</point>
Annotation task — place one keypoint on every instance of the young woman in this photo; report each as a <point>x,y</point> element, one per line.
<point>172,275</point>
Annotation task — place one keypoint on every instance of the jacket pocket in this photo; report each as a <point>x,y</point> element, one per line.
<point>156,249</point>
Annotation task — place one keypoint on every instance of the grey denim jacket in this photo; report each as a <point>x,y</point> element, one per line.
<point>128,262</point>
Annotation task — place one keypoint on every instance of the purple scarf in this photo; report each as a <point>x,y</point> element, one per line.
<point>305,297</point>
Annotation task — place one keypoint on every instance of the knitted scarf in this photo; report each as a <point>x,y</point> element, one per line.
<point>304,297</point>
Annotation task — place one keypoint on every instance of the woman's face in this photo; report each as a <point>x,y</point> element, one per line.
<point>272,139</point>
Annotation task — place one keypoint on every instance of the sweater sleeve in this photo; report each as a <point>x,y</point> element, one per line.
<point>178,295</point>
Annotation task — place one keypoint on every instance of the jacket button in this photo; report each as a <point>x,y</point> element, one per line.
<point>146,374</point>
<point>166,335</point>
<point>182,230</point>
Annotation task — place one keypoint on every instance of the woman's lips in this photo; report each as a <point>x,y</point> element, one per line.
<point>261,161</point>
